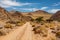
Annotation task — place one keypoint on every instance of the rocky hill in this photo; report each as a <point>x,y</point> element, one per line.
<point>39,13</point>
<point>18,15</point>
<point>13,15</point>
<point>56,16</point>
<point>3,13</point>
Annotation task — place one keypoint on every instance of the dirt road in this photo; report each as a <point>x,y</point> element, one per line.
<point>21,33</point>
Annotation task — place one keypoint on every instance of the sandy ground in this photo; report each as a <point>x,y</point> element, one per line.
<point>16,34</point>
<point>22,33</point>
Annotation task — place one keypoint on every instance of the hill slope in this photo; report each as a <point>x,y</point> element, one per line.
<point>56,16</point>
<point>13,15</point>
<point>39,13</point>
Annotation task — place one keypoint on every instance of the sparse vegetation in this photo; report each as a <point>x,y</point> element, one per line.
<point>45,27</point>
<point>2,33</point>
<point>20,24</point>
<point>49,20</point>
<point>58,34</point>
<point>8,25</point>
<point>39,19</point>
<point>33,25</point>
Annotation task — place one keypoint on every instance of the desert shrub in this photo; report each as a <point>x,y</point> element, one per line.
<point>33,25</point>
<point>39,19</point>
<point>36,30</point>
<point>47,25</point>
<point>58,34</point>
<point>52,25</point>
<point>58,27</point>
<point>53,32</point>
<point>58,20</point>
<point>49,20</point>
<point>8,25</point>
<point>1,27</point>
<point>2,33</point>
<point>40,29</point>
<point>20,23</point>
<point>13,22</point>
<point>17,21</point>
<point>43,30</point>
<point>32,19</point>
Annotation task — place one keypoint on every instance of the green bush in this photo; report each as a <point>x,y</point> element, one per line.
<point>39,19</point>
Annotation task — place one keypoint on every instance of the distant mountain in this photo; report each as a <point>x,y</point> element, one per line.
<point>5,15</point>
<point>39,13</point>
<point>18,15</point>
<point>56,16</point>
<point>13,15</point>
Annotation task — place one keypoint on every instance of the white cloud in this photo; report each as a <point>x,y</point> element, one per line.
<point>56,4</point>
<point>10,3</point>
<point>53,10</point>
<point>29,9</point>
<point>34,9</point>
<point>43,8</point>
<point>4,5</point>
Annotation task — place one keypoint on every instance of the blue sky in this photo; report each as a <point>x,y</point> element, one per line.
<point>50,6</point>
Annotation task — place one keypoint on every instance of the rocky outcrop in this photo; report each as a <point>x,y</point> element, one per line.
<point>13,15</point>
<point>3,13</point>
<point>56,16</point>
<point>18,15</point>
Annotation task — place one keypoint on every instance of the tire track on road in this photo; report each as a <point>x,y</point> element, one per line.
<point>28,33</point>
